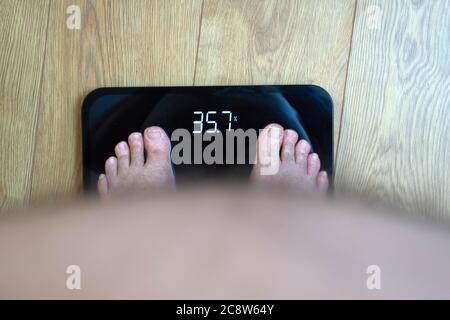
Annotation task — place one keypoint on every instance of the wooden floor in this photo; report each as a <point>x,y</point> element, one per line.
<point>385,63</point>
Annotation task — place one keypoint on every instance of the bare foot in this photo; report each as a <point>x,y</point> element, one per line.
<point>129,172</point>
<point>296,168</point>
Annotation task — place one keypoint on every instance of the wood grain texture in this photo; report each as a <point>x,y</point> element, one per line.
<point>22,38</point>
<point>121,43</point>
<point>281,42</point>
<point>393,143</point>
<point>395,136</point>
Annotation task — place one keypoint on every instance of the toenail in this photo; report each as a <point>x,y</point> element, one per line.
<point>135,136</point>
<point>122,146</point>
<point>314,156</point>
<point>111,159</point>
<point>274,132</point>
<point>290,133</point>
<point>303,146</point>
<point>153,134</point>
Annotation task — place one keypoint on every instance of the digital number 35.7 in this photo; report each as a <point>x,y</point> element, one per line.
<point>199,123</point>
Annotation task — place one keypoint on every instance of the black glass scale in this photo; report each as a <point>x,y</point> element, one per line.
<point>109,115</point>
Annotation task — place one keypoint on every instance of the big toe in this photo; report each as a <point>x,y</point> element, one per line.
<point>269,143</point>
<point>157,146</point>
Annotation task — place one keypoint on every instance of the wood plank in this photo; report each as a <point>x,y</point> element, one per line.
<point>121,43</point>
<point>23,26</point>
<point>276,42</point>
<point>395,136</point>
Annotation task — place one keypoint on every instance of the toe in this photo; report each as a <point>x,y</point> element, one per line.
<point>136,149</point>
<point>302,150</point>
<point>111,169</point>
<point>313,164</point>
<point>102,185</point>
<point>157,145</point>
<point>123,157</point>
<point>322,181</point>
<point>288,149</point>
<point>269,143</point>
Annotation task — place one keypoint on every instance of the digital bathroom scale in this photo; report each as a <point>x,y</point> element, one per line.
<point>109,115</point>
